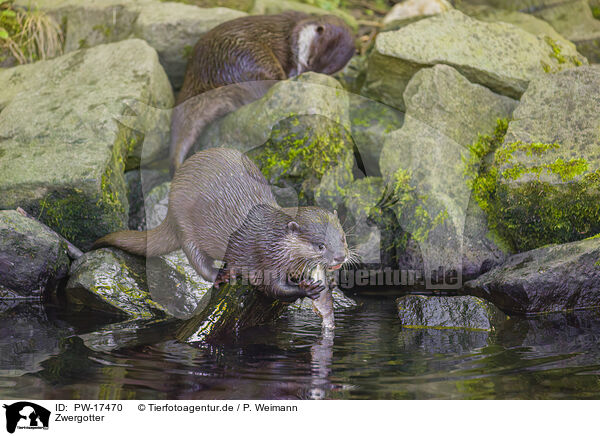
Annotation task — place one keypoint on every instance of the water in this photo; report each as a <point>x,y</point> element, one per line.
<point>47,354</point>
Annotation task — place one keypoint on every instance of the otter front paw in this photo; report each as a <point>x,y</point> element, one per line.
<point>311,288</point>
<point>223,277</point>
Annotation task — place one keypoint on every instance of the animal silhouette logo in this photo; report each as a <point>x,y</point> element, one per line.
<point>26,415</point>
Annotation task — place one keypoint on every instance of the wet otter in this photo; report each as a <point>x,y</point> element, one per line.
<point>221,207</point>
<point>255,50</point>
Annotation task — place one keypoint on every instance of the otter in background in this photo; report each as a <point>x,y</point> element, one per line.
<point>260,49</point>
<point>222,208</point>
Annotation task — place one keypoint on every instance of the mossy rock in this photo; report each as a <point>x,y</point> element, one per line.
<point>228,310</point>
<point>544,185</point>
<point>117,283</point>
<point>33,260</point>
<point>548,279</point>
<point>66,167</point>
<point>239,5</point>
<point>500,56</point>
<point>340,303</point>
<point>424,165</point>
<point>418,311</point>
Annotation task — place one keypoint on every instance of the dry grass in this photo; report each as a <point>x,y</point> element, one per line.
<point>35,36</point>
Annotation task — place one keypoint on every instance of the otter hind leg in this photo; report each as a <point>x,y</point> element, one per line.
<point>202,263</point>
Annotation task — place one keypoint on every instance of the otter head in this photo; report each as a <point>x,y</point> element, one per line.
<point>322,44</point>
<point>316,238</point>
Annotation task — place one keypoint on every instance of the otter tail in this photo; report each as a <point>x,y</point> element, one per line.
<point>160,240</point>
<point>191,117</point>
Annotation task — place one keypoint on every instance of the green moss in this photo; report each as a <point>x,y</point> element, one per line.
<point>411,209</point>
<point>301,150</point>
<point>556,53</point>
<point>104,29</point>
<point>188,51</point>
<point>534,213</point>
<point>596,12</point>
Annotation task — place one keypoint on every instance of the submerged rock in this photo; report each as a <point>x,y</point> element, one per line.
<point>424,163</point>
<point>549,279</point>
<point>67,167</point>
<point>544,186</point>
<point>28,338</point>
<point>449,312</point>
<point>33,260</point>
<point>171,28</point>
<point>501,56</point>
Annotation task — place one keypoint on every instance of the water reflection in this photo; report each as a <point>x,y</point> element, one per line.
<point>46,354</point>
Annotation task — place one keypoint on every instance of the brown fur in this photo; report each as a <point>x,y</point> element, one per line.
<point>221,207</point>
<point>260,48</point>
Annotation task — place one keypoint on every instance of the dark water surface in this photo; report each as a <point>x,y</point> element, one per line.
<point>45,354</point>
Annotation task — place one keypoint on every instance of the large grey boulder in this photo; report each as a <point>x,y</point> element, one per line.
<point>501,56</point>
<point>574,19</point>
<point>549,279</point>
<point>171,28</point>
<point>463,312</point>
<point>545,185</point>
<point>424,165</point>
<point>65,165</point>
<point>33,260</point>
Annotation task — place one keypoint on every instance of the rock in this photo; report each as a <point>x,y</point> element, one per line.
<point>157,204</point>
<point>28,338</point>
<point>369,233</point>
<point>499,56</point>
<point>525,21</point>
<point>277,6</point>
<point>549,279</point>
<point>448,312</point>
<point>231,308</point>
<point>424,165</point>
<point>113,281</point>
<point>33,260</point>
<point>109,280</point>
<point>299,136</point>
<point>140,184</point>
<point>77,99</point>
<point>352,76</point>
<point>371,122</point>
<point>411,10</point>
<point>172,29</point>
<point>238,5</point>
<point>545,184</point>
<point>575,21</point>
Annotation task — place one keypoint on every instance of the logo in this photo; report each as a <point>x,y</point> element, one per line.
<point>26,415</point>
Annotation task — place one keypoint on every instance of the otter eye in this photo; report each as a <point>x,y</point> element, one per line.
<point>321,247</point>
<point>320,30</point>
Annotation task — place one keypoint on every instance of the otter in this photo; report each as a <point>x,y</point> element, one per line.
<point>255,50</point>
<point>222,208</point>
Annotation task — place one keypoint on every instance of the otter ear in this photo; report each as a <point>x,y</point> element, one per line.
<point>293,226</point>
<point>335,212</point>
<point>320,29</point>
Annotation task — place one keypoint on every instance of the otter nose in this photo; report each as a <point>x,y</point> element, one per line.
<point>339,259</point>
